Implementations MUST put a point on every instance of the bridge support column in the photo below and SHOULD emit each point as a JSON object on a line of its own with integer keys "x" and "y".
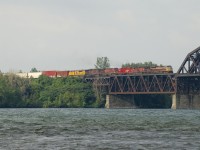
{"x": 184, "y": 101}
{"x": 174, "y": 101}
{"x": 120, "y": 101}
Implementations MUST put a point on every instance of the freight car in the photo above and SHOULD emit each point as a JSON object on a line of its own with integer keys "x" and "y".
{"x": 77, "y": 73}
{"x": 22, "y": 75}
{"x": 52, "y": 74}
{"x": 34, "y": 75}
{"x": 62, "y": 73}
{"x": 131, "y": 70}
{"x": 94, "y": 72}
{"x": 162, "y": 69}
{"x": 111, "y": 71}
{"x": 29, "y": 74}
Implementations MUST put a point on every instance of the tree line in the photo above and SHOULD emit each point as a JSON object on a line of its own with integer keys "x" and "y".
{"x": 104, "y": 62}
{"x": 148, "y": 64}
{"x": 45, "y": 92}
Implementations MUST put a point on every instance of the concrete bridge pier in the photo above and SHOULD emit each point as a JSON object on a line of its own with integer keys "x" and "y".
{"x": 185, "y": 101}
{"x": 120, "y": 101}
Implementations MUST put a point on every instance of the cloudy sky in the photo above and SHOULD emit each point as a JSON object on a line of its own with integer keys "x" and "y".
{"x": 71, "y": 34}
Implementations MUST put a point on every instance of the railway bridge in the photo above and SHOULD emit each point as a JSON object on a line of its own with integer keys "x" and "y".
{"x": 183, "y": 86}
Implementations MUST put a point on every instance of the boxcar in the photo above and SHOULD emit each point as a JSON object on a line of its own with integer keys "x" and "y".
{"x": 140, "y": 70}
{"x": 110, "y": 71}
{"x": 125, "y": 70}
{"x": 77, "y": 73}
{"x": 22, "y": 75}
{"x": 131, "y": 70}
{"x": 34, "y": 74}
{"x": 94, "y": 72}
{"x": 62, "y": 73}
{"x": 51, "y": 74}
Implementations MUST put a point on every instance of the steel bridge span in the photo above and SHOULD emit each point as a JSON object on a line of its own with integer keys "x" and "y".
{"x": 137, "y": 83}
{"x": 184, "y": 86}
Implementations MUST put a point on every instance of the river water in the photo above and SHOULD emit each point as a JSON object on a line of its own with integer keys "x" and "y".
{"x": 99, "y": 129}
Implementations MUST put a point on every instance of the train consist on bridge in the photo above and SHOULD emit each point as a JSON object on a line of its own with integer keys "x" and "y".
{"x": 99, "y": 72}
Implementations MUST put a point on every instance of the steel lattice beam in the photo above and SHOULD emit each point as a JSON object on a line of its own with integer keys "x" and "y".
{"x": 99, "y": 81}
{"x": 191, "y": 64}
{"x": 137, "y": 84}
{"x": 188, "y": 84}
{"x": 188, "y": 75}
{"x": 143, "y": 84}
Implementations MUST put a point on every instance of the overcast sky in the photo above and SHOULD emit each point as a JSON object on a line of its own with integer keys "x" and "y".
{"x": 71, "y": 34}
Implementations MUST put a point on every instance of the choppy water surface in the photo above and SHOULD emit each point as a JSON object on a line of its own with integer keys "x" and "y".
{"x": 99, "y": 129}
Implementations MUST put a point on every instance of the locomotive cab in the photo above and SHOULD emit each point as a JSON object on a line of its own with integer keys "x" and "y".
{"x": 169, "y": 69}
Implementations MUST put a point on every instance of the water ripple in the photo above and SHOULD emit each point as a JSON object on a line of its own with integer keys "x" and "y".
{"x": 99, "y": 129}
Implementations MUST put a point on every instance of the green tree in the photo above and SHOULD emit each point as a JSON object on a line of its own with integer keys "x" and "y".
{"x": 10, "y": 91}
{"x": 138, "y": 65}
{"x": 45, "y": 92}
{"x": 34, "y": 70}
{"x": 102, "y": 63}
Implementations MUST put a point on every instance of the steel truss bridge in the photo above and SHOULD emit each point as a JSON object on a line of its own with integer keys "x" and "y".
{"x": 185, "y": 81}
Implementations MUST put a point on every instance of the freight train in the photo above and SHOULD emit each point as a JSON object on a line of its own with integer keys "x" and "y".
{"x": 99, "y": 72}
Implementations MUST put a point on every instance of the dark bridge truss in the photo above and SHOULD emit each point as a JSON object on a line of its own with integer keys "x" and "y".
{"x": 137, "y": 84}
{"x": 191, "y": 64}
{"x": 143, "y": 84}
{"x": 188, "y": 84}
{"x": 99, "y": 81}
{"x": 188, "y": 75}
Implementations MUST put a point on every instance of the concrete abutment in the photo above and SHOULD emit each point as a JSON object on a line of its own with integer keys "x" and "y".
{"x": 120, "y": 101}
{"x": 179, "y": 101}
{"x": 185, "y": 101}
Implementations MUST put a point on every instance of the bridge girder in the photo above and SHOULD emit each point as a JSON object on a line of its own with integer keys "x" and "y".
{"x": 188, "y": 75}
{"x": 188, "y": 85}
{"x": 191, "y": 64}
{"x": 143, "y": 84}
{"x": 137, "y": 84}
